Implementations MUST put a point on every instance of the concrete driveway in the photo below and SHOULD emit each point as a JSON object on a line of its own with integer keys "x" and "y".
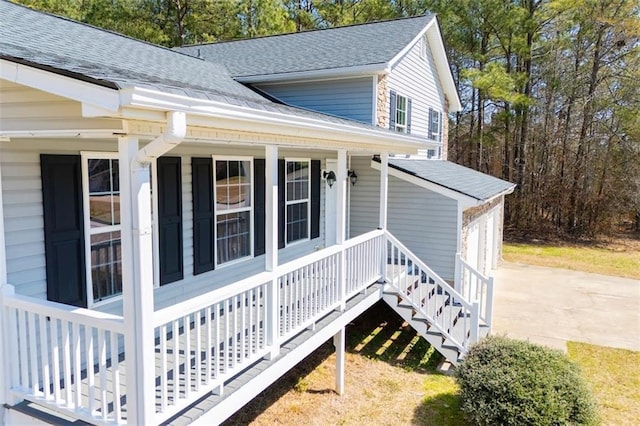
{"x": 552, "y": 306}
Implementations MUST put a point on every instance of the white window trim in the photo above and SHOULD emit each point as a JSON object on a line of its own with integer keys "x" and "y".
{"x": 85, "y": 157}
{"x": 437, "y": 133}
{"x": 288, "y": 203}
{"x": 238, "y": 210}
{"x": 401, "y": 128}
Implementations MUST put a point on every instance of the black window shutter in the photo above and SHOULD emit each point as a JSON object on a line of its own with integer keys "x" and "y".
{"x": 170, "y": 218}
{"x": 315, "y": 198}
{"x": 392, "y": 110}
{"x": 441, "y": 124}
{"x": 203, "y": 215}
{"x": 258, "y": 209}
{"x": 63, "y": 229}
{"x": 408, "y": 115}
{"x": 281, "y": 203}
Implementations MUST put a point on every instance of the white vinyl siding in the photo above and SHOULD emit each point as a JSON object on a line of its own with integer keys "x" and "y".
{"x": 417, "y": 79}
{"x": 348, "y": 98}
{"x": 426, "y": 222}
{"x": 24, "y": 223}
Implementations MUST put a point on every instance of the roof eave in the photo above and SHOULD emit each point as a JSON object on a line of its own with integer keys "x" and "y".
{"x": 361, "y": 70}
{"x": 241, "y": 118}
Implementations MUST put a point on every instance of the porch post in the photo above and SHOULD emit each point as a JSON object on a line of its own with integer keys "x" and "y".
{"x": 271, "y": 246}
{"x": 339, "y": 343}
{"x": 384, "y": 189}
{"x": 4, "y": 377}
{"x": 137, "y": 282}
{"x": 341, "y": 225}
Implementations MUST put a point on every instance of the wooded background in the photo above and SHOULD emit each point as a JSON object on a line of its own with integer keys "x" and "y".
{"x": 550, "y": 88}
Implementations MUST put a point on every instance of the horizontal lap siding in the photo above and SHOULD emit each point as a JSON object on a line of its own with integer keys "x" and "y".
{"x": 422, "y": 220}
{"x": 24, "y": 224}
{"x": 348, "y": 98}
{"x": 417, "y": 79}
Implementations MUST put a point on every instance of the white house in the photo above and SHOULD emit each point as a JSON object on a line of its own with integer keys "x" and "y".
{"x": 172, "y": 241}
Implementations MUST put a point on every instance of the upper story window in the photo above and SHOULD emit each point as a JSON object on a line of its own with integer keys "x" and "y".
{"x": 435, "y": 125}
{"x": 233, "y": 208}
{"x": 102, "y": 225}
{"x": 298, "y": 205}
{"x": 400, "y": 113}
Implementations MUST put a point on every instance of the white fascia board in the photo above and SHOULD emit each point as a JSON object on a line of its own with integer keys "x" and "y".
{"x": 442, "y": 65}
{"x": 239, "y": 118}
{"x": 464, "y": 201}
{"x": 499, "y": 194}
{"x": 291, "y": 77}
{"x": 408, "y": 47}
{"x": 67, "y": 87}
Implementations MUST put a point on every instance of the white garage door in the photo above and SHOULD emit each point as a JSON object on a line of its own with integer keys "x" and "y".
{"x": 473, "y": 243}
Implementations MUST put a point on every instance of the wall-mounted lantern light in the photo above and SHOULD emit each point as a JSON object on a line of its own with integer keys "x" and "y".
{"x": 330, "y": 177}
{"x": 353, "y": 177}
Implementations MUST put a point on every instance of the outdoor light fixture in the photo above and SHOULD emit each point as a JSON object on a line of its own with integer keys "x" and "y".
{"x": 330, "y": 177}
{"x": 353, "y": 177}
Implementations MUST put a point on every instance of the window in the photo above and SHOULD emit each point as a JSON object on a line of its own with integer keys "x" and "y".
{"x": 102, "y": 225}
{"x": 233, "y": 208}
{"x": 401, "y": 114}
{"x": 297, "y": 199}
{"x": 435, "y": 123}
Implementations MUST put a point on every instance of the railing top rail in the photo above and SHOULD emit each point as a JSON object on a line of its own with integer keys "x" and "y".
{"x": 102, "y": 320}
{"x": 472, "y": 269}
{"x": 165, "y": 315}
{"x": 194, "y": 304}
{"x": 459, "y": 298}
{"x": 324, "y": 253}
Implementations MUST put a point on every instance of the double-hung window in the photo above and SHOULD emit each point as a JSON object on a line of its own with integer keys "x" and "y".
{"x": 233, "y": 208}
{"x": 401, "y": 114}
{"x": 298, "y": 199}
{"x": 101, "y": 203}
{"x": 435, "y": 125}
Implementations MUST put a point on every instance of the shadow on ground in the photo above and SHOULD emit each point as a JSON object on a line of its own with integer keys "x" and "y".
{"x": 380, "y": 334}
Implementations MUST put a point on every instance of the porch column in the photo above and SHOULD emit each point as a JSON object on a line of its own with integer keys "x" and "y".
{"x": 384, "y": 188}
{"x": 339, "y": 340}
{"x": 137, "y": 282}
{"x": 4, "y": 373}
{"x": 271, "y": 246}
{"x": 341, "y": 219}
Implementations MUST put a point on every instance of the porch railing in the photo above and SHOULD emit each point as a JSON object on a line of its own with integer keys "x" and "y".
{"x": 476, "y": 287}
{"x": 432, "y": 297}
{"x": 72, "y": 359}
{"x": 67, "y": 357}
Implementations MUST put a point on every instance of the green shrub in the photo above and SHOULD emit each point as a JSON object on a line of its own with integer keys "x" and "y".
{"x": 513, "y": 382}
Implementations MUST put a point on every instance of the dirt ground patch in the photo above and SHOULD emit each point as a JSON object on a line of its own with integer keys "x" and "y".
{"x": 390, "y": 380}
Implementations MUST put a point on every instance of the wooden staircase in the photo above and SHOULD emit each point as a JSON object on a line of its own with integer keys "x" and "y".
{"x": 450, "y": 319}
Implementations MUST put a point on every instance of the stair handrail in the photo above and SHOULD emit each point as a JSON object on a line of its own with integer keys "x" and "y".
{"x": 472, "y": 308}
{"x": 486, "y": 306}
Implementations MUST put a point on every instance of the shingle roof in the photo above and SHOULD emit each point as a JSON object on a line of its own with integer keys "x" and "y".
{"x": 350, "y": 46}
{"x": 102, "y": 57}
{"x": 454, "y": 177}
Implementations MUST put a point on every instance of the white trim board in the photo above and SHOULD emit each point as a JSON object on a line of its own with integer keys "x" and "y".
{"x": 464, "y": 200}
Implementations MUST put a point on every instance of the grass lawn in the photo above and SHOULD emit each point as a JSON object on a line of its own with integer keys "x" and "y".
{"x": 619, "y": 257}
{"x": 391, "y": 380}
{"x": 614, "y": 376}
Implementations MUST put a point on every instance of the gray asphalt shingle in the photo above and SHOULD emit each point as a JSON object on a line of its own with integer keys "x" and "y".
{"x": 351, "y": 46}
{"x": 113, "y": 60}
{"x": 453, "y": 176}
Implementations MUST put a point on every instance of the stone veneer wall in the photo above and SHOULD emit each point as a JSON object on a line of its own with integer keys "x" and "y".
{"x": 445, "y": 129}
{"x": 382, "y": 117}
{"x": 473, "y": 213}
